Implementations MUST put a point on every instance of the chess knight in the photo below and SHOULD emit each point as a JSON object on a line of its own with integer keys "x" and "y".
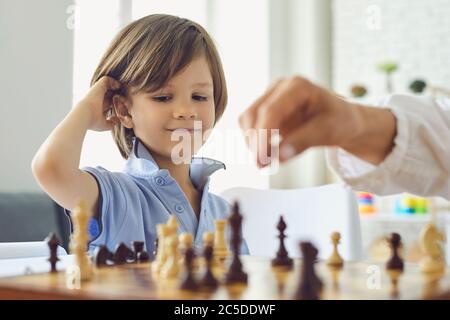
{"x": 431, "y": 244}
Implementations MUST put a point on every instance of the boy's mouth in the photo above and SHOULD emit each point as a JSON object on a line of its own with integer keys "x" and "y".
{"x": 190, "y": 130}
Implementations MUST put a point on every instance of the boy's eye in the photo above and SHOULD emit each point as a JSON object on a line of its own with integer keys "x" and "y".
{"x": 199, "y": 98}
{"x": 162, "y": 98}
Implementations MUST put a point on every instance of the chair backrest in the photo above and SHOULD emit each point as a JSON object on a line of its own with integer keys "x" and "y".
{"x": 311, "y": 214}
{"x": 16, "y": 250}
{"x": 31, "y": 216}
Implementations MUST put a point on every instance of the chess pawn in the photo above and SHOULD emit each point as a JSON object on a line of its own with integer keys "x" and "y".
{"x": 220, "y": 246}
{"x": 430, "y": 241}
{"x": 171, "y": 268}
{"x": 335, "y": 259}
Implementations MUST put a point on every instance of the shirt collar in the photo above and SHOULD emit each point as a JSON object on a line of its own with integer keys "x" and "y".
{"x": 141, "y": 164}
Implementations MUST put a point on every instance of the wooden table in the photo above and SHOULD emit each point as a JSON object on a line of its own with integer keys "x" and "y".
{"x": 356, "y": 280}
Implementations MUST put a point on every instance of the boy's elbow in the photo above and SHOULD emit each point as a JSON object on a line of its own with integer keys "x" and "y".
{"x": 43, "y": 169}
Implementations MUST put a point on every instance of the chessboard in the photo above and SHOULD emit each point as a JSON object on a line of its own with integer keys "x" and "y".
{"x": 176, "y": 271}
{"x": 354, "y": 280}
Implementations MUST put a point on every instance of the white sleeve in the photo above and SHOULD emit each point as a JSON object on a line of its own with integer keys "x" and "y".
{"x": 419, "y": 163}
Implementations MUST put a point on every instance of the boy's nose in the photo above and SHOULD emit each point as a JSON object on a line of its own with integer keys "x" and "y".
{"x": 185, "y": 112}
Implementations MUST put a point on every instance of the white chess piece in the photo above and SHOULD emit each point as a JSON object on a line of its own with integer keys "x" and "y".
{"x": 431, "y": 244}
{"x": 79, "y": 240}
{"x": 220, "y": 245}
{"x": 161, "y": 255}
{"x": 335, "y": 259}
{"x": 171, "y": 268}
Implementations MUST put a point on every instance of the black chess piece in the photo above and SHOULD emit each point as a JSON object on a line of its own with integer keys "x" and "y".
{"x": 310, "y": 285}
{"x": 138, "y": 246}
{"x": 143, "y": 256}
{"x": 53, "y": 243}
{"x": 208, "y": 280}
{"x": 102, "y": 255}
{"x": 282, "y": 258}
{"x": 235, "y": 272}
{"x": 188, "y": 282}
{"x": 123, "y": 254}
{"x": 395, "y": 262}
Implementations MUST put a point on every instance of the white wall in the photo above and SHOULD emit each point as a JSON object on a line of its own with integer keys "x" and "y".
{"x": 35, "y": 82}
{"x": 414, "y": 33}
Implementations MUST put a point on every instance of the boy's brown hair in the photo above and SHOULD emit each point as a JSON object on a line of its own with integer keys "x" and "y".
{"x": 148, "y": 52}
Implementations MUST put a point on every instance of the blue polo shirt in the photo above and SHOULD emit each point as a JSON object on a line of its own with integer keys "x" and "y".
{"x": 134, "y": 201}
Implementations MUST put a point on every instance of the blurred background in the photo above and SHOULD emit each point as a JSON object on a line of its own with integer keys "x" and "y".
{"x": 361, "y": 49}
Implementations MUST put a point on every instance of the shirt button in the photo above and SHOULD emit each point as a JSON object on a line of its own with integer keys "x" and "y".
{"x": 159, "y": 181}
{"x": 179, "y": 208}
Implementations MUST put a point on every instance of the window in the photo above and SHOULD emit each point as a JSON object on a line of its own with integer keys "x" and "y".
{"x": 243, "y": 46}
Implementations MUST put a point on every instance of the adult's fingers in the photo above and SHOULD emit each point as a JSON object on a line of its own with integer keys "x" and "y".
{"x": 285, "y": 102}
{"x": 310, "y": 134}
{"x": 248, "y": 118}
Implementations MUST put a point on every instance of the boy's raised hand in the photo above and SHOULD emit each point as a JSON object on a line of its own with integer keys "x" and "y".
{"x": 99, "y": 101}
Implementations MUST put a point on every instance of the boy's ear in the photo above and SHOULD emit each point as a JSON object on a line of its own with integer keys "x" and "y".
{"x": 121, "y": 106}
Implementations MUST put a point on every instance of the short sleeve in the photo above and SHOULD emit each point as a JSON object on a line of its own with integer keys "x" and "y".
{"x": 112, "y": 206}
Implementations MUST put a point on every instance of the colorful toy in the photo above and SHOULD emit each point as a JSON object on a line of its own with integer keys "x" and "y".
{"x": 407, "y": 204}
{"x": 365, "y": 203}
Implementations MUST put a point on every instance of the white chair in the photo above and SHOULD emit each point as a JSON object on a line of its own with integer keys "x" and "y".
{"x": 16, "y": 250}
{"x": 311, "y": 214}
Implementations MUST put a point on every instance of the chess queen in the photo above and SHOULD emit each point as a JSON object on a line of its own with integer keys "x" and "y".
{"x": 160, "y": 76}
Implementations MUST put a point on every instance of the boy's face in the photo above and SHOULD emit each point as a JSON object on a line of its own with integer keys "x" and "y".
{"x": 171, "y": 112}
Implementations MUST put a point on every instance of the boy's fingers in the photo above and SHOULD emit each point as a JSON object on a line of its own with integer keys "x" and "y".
{"x": 109, "y": 83}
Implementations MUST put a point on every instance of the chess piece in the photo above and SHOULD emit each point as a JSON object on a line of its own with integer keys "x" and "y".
{"x": 310, "y": 284}
{"x": 161, "y": 255}
{"x": 282, "y": 258}
{"x": 394, "y": 265}
{"x": 220, "y": 245}
{"x": 188, "y": 282}
{"x": 185, "y": 241}
{"x": 102, "y": 255}
{"x": 208, "y": 281}
{"x": 138, "y": 246}
{"x": 235, "y": 273}
{"x": 53, "y": 242}
{"x": 79, "y": 241}
{"x": 143, "y": 256}
{"x": 172, "y": 225}
{"x": 395, "y": 262}
{"x": 335, "y": 259}
{"x": 123, "y": 254}
{"x": 431, "y": 239}
{"x": 170, "y": 269}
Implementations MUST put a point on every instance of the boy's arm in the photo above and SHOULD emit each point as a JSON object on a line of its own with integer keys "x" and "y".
{"x": 56, "y": 164}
